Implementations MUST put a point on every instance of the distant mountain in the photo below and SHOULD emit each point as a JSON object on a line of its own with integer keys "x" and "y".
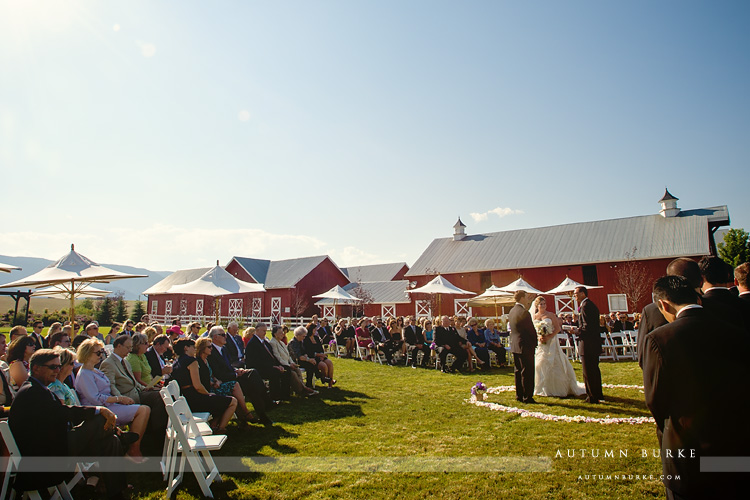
{"x": 131, "y": 288}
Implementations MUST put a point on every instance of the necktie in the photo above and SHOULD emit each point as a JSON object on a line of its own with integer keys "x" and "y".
{"x": 125, "y": 369}
{"x": 225, "y": 356}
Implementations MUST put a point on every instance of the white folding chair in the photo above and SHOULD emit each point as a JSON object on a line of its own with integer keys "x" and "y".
{"x": 621, "y": 344}
{"x": 565, "y": 345}
{"x": 191, "y": 446}
{"x": 633, "y": 337}
{"x": 170, "y": 438}
{"x": 361, "y": 352}
{"x": 608, "y": 350}
{"x": 173, "y": 389}
{"x": 14, "y": 461}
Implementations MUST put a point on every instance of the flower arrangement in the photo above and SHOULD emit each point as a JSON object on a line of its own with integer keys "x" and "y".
{"x": 542, "y": 329}
{"x": 477, "y": 392}
{"x": 433, "y": 346}
{"x": 479, "y": 398}
{"x": 332, "y": 342}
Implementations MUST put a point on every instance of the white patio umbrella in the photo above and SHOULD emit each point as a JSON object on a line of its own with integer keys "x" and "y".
{"x": 438, "y": 286}
{"x": 84, "y": 290}
{"x": 6, "y": 268}
{"x": 69, "y": 273}
{"x": 336, "y": 294}
{"x": 215, "y": 283}
{"x": 567, "y": 285}
{"x": 493, "y": 296}
{"x": 520, "y": 284}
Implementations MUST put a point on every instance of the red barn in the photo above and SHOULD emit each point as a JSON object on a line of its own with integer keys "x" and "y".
{"x": 588, "y": 252}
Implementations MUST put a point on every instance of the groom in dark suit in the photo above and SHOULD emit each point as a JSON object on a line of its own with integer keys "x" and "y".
{"x": 698, "y": 404}
{"x": 523, "y": 342}
{"x": 589, "y": 344}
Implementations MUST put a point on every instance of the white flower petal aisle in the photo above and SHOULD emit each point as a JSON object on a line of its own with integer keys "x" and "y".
{"x": 479, "y": 394}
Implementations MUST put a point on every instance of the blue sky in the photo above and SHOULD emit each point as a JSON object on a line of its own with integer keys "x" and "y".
{"x": 171, "y": 134}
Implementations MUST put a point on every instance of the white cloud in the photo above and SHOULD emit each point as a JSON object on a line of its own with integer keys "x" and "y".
{"x": 244, "y": 115}
{"x": 147, "y": 49}
{"x": 353, "y": 256}
{"x": 116, "y": 28}
{"x": 164, "y": 247}
{"x": 499, "y": 211}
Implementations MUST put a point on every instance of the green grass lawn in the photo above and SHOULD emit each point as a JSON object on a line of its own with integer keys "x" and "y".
{"x": 401, "y": 420}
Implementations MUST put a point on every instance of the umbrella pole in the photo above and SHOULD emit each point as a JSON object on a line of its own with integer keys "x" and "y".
{"x": 72, "y": 304}
{"x": 216, "y": 309}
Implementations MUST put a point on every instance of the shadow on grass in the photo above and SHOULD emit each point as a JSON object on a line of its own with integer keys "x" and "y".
{"x": 329, "y": 404}
{"x": 630, "y": 407}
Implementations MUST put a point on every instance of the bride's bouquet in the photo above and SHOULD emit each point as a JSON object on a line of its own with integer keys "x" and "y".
{"x": 542, "y": 330}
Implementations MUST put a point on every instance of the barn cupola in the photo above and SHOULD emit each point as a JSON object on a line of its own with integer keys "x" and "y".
{"x": 458, "y": 230}
{"x": 668, "y": 205}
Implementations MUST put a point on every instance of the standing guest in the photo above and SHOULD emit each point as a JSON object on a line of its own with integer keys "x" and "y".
{"x": 42, "y": 426}
{"x": 695, "y": 404}
{"x": 154, "y": 356}
{"x": 193, "y": 385}
{"x": 523, "y": 342}
{"x": 203, "y": 349}
{"x": 18, "y": 331}
{"x": 651, "y": 317}
{"x": 249, "y": 380}
{"x": 414, "y": 339}
{"x": 58, "y": 387}
{"x": 19, "y": 354}
{"x": 36, "y": 334}
{"x": 494, "y": 343}
{"x": 260, "y": 356}
{"x": 138, "y": 361}
{"x": 281, "y": 353}
{"x": 589, "y": 344}
{"x": 717, "y": 299}
{"x": 193, "y": 330}
{"x": 94, "y": 388}
{"x": 114, "y": 332}
{"x": 314, "y": 350}
{"x": 297, "y": 352}
{"x": 742, "y": 282}
{"x": 447, "y": 338}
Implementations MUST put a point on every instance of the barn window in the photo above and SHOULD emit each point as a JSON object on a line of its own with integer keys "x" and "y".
{"x": 589, "y": 276}
{"x": 485, "y": 280}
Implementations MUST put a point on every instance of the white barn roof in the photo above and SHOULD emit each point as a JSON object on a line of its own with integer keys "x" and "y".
{"x": 176, "y": 278}
{"x": 611, "y": 240}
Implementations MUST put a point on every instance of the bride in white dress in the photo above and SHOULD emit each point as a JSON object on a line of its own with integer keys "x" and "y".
{"x": 554, "y": 375}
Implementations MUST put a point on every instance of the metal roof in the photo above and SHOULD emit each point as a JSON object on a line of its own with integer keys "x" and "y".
{"x": 281, "y": 273}
{"x": 176, "y": 278}
{"x": 611, "y": 240}
{"x": 382, "y": 292}
{"x": 376, "y": 272}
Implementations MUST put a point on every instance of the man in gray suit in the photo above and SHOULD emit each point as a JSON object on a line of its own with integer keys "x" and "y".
{"x": 523, "y": 342}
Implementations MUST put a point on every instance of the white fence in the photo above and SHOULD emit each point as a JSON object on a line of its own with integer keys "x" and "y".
{"x": 244, "y": 322}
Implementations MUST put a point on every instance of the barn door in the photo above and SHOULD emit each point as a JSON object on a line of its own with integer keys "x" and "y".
{"x": 423, "y": 309}
{"x": 257, "y": 309}
{"x": 168, "y": 310}
{"x": 235, "y": 308}
{"x": 199, "y": 308}
{"x": 275, "y": 310}
{"x": 461, "y": 308}
{"x": 565, "y": 304}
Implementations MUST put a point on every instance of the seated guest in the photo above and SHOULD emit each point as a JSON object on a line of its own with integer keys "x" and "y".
{"x": 314, "y": 350}
{"x": 446, "y": 337}
{"x": 478, "y": 341}
{"x": 137, "y": 359}
{"x": 18, "y": 331}
{"x": 344, "y": 337}
{"x": 94, "y": 388}
{"x": 42, "y": 426}
{"x": 362, "y": 336}
{"x": 281, "y": 353}
{"x": 473, "y": 359}
{"x": 297, "y": 352}
{"x": 58, "y": 387}
{"x": 151, "y": 334}
{"x": 249, "y": 380}
{"x": 416, "y": 343}
{"x": 493, "y": 342}
{"x": 621, "y": 323}
{"x": 120, "y": 375}
{"x": 203, "y": 349}
{"x": 235, "y": 345}
{"x": 19, "y": 354}
{"x": 381, "y": 338}
{"x": 114, "y": 332}
{"x": 6, "y": 393}
{"x": 91, "y": 331}
{"x": 127, "y": 328}
{"x": 193, "y": 385}
{"x": 60, "y": 338}
{"x": 139, "y": 327}
{"x": 154, "y": 356}
{"x": 260, "y": 356}
{"x": 247, "y": 334}
{"x": 54, "y": 328}
{"x": 325, "y": 332}
{"x": 193, "y": 330}
{"x": 395, "y": 329}
{"x": 429, "y": 332}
